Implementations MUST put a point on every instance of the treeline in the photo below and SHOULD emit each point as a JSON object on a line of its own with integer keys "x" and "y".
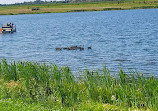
{"x": 77, "y": 1}
{"x": 36, "y": 2}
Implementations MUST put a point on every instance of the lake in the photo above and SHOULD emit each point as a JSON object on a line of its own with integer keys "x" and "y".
{"x": 126, "y": 39}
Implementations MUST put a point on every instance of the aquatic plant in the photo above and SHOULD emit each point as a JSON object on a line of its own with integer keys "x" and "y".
{"x": 56, "y": 87}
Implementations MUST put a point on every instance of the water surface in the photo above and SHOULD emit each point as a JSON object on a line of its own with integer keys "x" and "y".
{"x": 125, "y": 39}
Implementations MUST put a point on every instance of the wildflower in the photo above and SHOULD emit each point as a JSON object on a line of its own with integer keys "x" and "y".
{"x": 113, "y": 98}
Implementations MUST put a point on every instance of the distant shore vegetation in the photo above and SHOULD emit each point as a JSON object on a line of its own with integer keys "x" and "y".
{"x": 75, "y": 6}
{"x": 41, "y": 87}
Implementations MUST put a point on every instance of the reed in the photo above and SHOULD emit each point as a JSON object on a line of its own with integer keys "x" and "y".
{"x": 56, "y": 87}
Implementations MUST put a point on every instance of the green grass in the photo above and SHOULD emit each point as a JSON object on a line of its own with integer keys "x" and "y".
{"x": 35, "y": 86}
{"x": 77, "y": 7}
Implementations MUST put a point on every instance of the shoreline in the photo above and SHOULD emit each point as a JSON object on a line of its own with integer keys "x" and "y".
{"x": 78, "y": 10}
{"x": 75, "y": 7}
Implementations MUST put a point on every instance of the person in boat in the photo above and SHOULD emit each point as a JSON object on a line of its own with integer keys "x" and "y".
{"x": 11, "y": 24}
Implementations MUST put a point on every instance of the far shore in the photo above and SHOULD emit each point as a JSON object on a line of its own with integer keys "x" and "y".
{"x": 76, "y": 7}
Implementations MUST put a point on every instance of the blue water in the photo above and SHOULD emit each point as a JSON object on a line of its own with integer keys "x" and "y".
{"x": 125, "y": 39}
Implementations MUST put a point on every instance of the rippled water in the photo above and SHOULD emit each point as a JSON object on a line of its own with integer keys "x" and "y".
{"x": 125, "y": 39}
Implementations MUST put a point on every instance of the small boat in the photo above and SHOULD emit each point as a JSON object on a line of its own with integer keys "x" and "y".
{"x": 8, "y": 28}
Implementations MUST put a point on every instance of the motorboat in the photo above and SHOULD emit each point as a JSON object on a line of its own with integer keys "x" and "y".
{"x": 8, "y": 28}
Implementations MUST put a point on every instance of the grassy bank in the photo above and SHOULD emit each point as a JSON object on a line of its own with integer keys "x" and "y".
{"x": 34, "y": 86}
{"x": 78, "y": 7}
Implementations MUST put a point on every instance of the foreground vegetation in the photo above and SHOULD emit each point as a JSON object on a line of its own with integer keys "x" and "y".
{"x": 78, "y": 7}
{"x": 32, "y": 86}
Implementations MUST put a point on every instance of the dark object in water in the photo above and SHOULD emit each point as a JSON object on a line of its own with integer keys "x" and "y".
{"x": 71, "y": 48}
{"x": 81, "y": 48}
{"x": 89, "y": 47}
{"x": 58, "y": 48}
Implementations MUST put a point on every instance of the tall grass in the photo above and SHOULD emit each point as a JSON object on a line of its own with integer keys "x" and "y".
{"x": 54, "y": 86}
